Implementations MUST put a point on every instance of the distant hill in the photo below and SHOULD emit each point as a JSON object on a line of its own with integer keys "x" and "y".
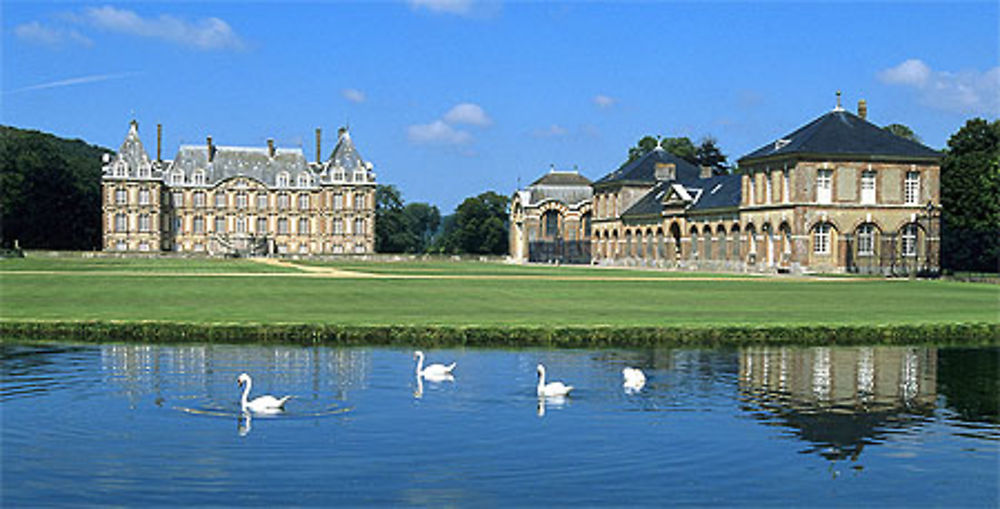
{"x": 50, "y": 191}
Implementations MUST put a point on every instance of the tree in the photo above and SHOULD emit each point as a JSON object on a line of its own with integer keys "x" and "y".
{"x": 478, "y": 226}
{"x": 902, "y": 131}
{"x": 392, "y": 231}
{"x": 681, "y": 147}
{"x": 709, "y": 154}
{"x": 970, "y": 198}
{"x": 645, "y": 145}
{"x": 424, "y": 220}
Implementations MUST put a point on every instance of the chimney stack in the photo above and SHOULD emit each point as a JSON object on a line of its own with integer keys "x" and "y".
{"x": 665, "y": 171}
{"x": 159, "y": 141}
{"x": 270, "y": 147}
{"x": 211, "y": 149}
{"x": 863, "y": 109}
{"x": 318, "y": 156}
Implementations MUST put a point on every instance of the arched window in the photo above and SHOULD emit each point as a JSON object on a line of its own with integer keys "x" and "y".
{"x": 550, "y": 223}
{"x": 866, "y": 239}
{"x": 909, "y": 235}
{"x": 585, "y": 226}
{"x": 694, "y": 242}
{"x": 722, "y": 253}
{"x": 821, "y": 238}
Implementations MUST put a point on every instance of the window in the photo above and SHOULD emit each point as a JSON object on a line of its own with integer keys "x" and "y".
{"x": 143, "y": 173}
{"x": 144, "y": 222}
{"x": 261, "y": 225}
{"x": 220, "y": 224}
{"x": 262, "y": 201}
{"x": 178, "y": 225}
{"x": 551, "y": 223}
{"x": 305, "y": 180}
{"x": 750, "y": 189}
{"x": 220, "y": 200}
{"x": 283, "y": 201}
{"x": 360, "y": 248}
{"x": 199, "y": 224}
{"x": 303, "y": 226}
{"x": 144, "y": 197}
{"x": 199, "y": 199}
{"x": 767, "y": 187}
{"x": 282, "y": 179}
{"x": 120, "y": 169}
{"x": 282, "y": 225}
{"x": 910, "y": 240}
{"x": 121, "y": 196}
{"x": 911, "y": 191}
{"x": 121, "y": 223}
{"x": 824, "y": 185}
{"x": 866, "y": 240}
{"x": 821, "y": 239}
{"x": 121, "y": 245}
{"x": 359, "y": 226}
{"x": 241, "y": 200}
{"x": 177, "y": 177}
{"x": 199, "y": 247}
{"x": 177, "y": 198}
{"x": 694, "y": 243}
{"x": 303, "y": 202}
{"x": 198, "y": 178}
{"x": 359, "y": 201}
{"x": 338, "y": 201}
{"x": 868, "y": 186}
{"x": 241, "y": 225}
{"x": 143, "y": 246}
{"x": 338, "y": 226}
{"x": 785, "y": 190}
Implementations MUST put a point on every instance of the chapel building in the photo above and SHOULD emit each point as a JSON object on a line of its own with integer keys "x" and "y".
{"x": 227, "y": 200}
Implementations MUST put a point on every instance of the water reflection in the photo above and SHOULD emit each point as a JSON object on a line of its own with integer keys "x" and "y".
{"x": 433, "y": 378}
{"x": 839, "y": 399}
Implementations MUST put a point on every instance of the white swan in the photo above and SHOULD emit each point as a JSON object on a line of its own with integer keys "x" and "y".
{"x": 433, "y": 372}
{"x": 551, "y": 389}
{"x": 635, "y": 379}
{"x": 263, "y": 404}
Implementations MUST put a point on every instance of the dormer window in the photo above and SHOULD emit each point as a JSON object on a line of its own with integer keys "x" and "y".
{"x": 144, "y": 171}
{"x": 778, "y": 145}
{"x": 282, "y": 180}
{"x": 177, "y": 177}
{"x": 198, "y": 178}
{"x": 305, "y": 180}
{"x": 120, "y": 169}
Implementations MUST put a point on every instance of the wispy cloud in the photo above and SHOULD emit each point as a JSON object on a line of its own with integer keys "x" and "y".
{"x": 204, "y": 34}
{"x": 464, "y": 8}
{"x": 468, "y": 113}
{"x": 552, "y": 131}
{"x": 37, "y": 33}
{"x": 966, "y": 92}
{"x": 76, "y": 81}
{"x": 438, "y": 133}
{"x": 604, "y": 101}
{"x": 354, "y": 95}
{"x": 443, "y": 130}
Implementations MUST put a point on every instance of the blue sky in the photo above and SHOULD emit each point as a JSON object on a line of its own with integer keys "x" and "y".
{"x": 449, "y": 98}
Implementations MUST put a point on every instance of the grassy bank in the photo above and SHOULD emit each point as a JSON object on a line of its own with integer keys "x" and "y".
{"x": 175, "y": 299}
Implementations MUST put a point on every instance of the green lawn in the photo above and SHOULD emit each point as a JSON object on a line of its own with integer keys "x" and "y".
{"x": 76, "y": 262}
{"x": 476, "y": 268}
{"x": 74, "y": 295}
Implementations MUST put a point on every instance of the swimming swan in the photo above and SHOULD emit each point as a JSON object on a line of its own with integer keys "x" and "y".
{"x": 434, "y": 372}
{"x": 551, "y": 389}
{"x": 262, "y": 404}
{"x": 635, "y": 379}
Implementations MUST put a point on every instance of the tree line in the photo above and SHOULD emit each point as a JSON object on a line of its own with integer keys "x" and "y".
{"x": 50, "y": 198}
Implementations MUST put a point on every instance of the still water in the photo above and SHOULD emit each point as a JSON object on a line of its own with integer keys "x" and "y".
{"x": 161, "y": 425}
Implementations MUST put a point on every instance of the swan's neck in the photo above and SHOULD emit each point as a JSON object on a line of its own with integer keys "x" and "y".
{"x": 541, "y": 379}
{"x": 246, "y": 394}
{"x": 420, "y": 362}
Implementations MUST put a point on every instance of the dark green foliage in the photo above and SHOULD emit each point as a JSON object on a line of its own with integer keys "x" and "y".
{"x": 645, "y": 145}
{"x": 709, "y": 154}
{"x": 970, "y": 383}
{"x": 498, "y": 336}
{"x": 478, "y": 226}
{"x": 970, "y": 198}
{"x": 400, "y": 229}
{"x": 681, "y": 147}
{"x": 50, "y": 191}
{"x": 902, "y": 131}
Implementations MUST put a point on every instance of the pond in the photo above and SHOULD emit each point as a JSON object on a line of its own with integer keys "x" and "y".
{"x": 161, "y": 425}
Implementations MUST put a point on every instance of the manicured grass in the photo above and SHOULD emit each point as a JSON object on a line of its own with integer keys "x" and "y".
{"x": 477, "y": 268}
{"x": 79, "y": 263}
{"x": 493, "y": 302}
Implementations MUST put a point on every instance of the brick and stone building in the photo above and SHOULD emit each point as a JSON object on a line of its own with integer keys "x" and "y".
{"x": 226, "y": 200}
{"x": 839, "y": 194}
{"x": 550, "y": 220}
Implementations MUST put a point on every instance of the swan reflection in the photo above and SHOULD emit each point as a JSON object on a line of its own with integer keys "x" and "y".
{"x": 555, "y": 401}
{"x": 432, "y": 378}
{"x": 243, "y": 424}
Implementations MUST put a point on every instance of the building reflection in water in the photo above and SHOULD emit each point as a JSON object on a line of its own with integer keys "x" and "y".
{"x": 209, "y": 371}
{"x": 839, "y": 399}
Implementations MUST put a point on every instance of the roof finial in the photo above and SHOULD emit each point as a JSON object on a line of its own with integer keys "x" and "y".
{"x": 838, "y": 108}
{"x": 552, "y": 167}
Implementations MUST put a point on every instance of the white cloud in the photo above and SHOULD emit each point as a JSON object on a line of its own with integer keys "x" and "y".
{"x": 467, "y": 113}
{"x": 446, "y": 6}
{"x": 76, "y": 81}
{"x": 37, "y": 33}
{"x": 205, "y": 33}
{"x": 354, "y": 95}
{"x": 552, "y": 131}
{"x": 604, "y": 101}
{"x": 970, "y": 91}
{"x": 437, "y": 133}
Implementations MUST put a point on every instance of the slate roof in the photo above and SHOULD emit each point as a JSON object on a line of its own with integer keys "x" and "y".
{"x": 840, "y": 132}
{"x": 650, "y": 203}
{"x": 567, "y": 187}
{"x": 345, "y": 154}
{"x": 132, "y": 153}
{"x": 562, "y": 178}
{"x": 718, "y": 192}
{"x": 643, "y": 169}
{"x": 229, "y": 162}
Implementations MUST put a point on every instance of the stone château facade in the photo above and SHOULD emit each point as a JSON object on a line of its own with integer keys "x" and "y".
{"x": 225, "y": 200}
{"x": 550, "y": 219}
{"x": 839, "y": 194}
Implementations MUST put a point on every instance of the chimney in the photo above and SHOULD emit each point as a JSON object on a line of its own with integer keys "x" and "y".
{"x": 270, "y": 147}
{"x": 706, "y": 172}
{"x": 318, "y": 156}
{"x": 665, "y": 171}
{"x": 211, "y": 149}
{"x": 159, "y": 140}
{"x": 863, "y": 109}
{"x": 340, "y": 133}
